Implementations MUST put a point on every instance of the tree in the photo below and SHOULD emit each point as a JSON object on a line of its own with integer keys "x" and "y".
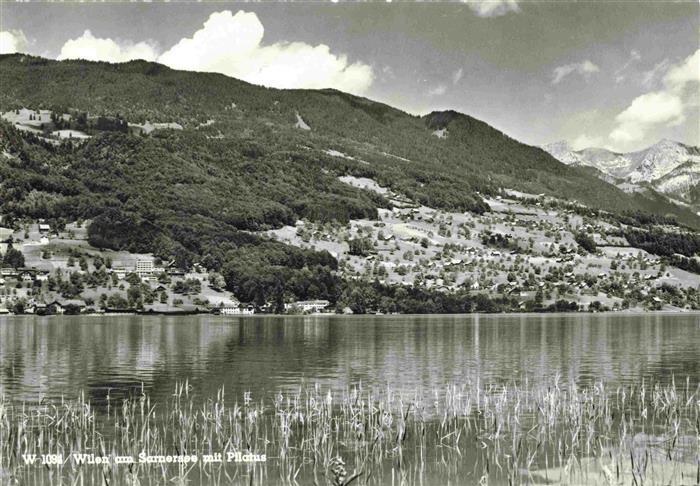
{"x": 133, "y": 279}
{"x": 360, "y": 246}
{"x": 278, "y": 295}
{"x": 98, "y": 262}
{"x": 19, "y": 307}
{"x": 135, "y": 296}
{"x": 116, "y": 301}
{"x": 216, "y": 280}
{"x": 13, "y": 258}
{"x": 586, "y": 242}
{"x": 71, "y": 309}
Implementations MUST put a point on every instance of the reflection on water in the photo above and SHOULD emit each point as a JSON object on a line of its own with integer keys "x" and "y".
{"x": 51, "y": 357}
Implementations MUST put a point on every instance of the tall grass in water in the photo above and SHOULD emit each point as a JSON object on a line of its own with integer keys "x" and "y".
{"x": 634, "y": 435}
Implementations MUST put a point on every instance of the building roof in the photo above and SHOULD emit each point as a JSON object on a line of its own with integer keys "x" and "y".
{"x": 66, "y": 302}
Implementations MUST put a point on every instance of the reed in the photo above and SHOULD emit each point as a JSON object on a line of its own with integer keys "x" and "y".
{"x": 470, "y": 434}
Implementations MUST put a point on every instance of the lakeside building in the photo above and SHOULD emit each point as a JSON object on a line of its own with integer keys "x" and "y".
{"x": 72, "y": 306}
{"x": 236, "y": 310}
{"x": 307, "y": 305}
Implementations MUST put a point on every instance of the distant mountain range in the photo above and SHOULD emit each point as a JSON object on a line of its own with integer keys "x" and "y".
{"x": 669, "y": 167}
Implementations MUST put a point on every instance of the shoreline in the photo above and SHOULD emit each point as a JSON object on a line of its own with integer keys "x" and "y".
{"x": 330, "y": 314}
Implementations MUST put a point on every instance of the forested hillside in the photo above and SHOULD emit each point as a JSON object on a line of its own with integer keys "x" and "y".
{"x": 440, "y": 172}
{"x": 248, "y": 158}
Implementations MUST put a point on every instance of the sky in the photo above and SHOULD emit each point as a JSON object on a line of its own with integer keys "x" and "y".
{"x": 618, "y": 75}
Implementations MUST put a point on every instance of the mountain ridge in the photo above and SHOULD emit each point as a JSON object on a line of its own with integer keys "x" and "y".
{"x": 482, "y": 158}
{"x": 666, "y": 160}
{"x": 473, "y": 158}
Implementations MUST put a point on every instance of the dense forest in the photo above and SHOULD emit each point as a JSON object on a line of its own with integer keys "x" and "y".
{"x": 241, "y": 164}
{"x": 664, "y": 243}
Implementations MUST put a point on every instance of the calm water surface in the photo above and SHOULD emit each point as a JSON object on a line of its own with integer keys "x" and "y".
{"x": 51, "y": 357}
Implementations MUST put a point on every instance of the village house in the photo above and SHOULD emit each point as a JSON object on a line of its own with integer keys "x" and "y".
{"x": 176, "y": 272}
{"x": 196, "y": 276}
{"x": 72, "y": 306}
{"x": 76, "y": 304}
{"x": 120, "y": 272}
{"x": 38, "y": 308}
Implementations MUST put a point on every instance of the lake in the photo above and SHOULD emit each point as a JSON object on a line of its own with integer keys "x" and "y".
{"x": 108, "y": 358}
{"x": 50, "y": 357}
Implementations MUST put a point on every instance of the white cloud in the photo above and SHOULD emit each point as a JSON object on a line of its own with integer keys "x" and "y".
{"x": 646, "y": 111}
{"x": 619, "y": 73}
{"x": 585, "y": 141}
{"x": 650, "y": 77}
{"x": 492, "y": 8}
{"x": 438, "y": 90}
{"x": 584, "y": 68}
{"x": 388, "y": 73}
{"x": 441, "y": 88}
{"x": 457, "y": 75}
{"x": 12, "y": 41}
{"x": 678, "y": 77}
{"x": 92, "y": 48}
{"x": 232, "y": 45}
{"x": 667, "y": 107}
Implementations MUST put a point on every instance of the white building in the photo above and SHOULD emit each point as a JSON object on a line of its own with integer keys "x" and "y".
{"x": 308, "y": 305}
{"x": 236, "y": 310}
{"x": 144, "y": 268}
